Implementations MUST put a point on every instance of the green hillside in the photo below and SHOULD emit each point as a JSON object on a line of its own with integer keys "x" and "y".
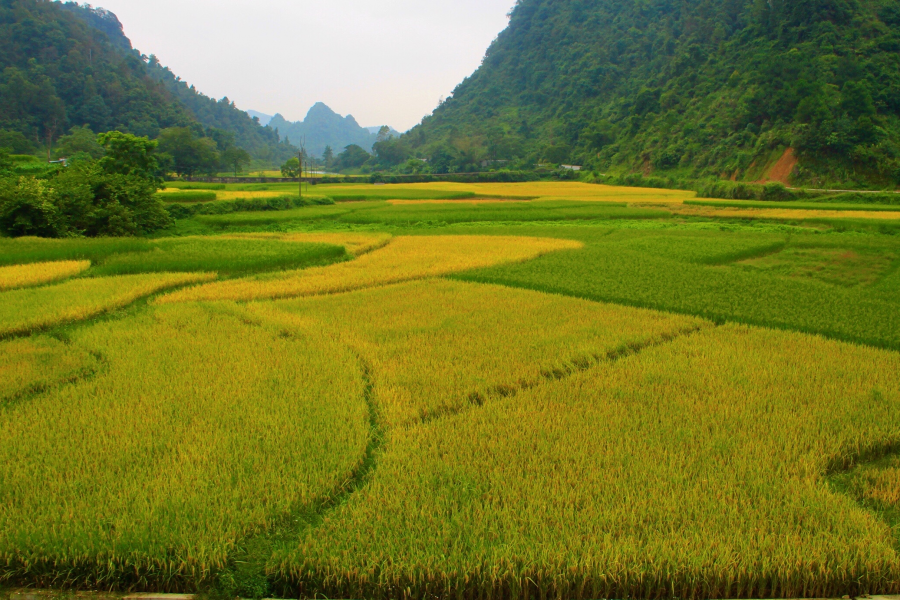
{"x": 692, "y": 88}
{"x": 67, "y": 65}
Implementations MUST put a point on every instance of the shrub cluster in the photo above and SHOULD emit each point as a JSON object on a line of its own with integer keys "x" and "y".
{"x": 287, "y": 202}
{"x": 113, "y": 196}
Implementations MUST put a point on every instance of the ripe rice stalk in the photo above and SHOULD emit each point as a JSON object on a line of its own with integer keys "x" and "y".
{"x": 29, "y": 310}
{"x": 693, "y": 469}
{"x": 201, "y": 430}
{"x": 20, "y": 276}
{"x": 405, "y": 258}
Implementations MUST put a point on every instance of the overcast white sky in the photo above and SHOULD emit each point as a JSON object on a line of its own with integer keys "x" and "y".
{"x": 386, "y": 62}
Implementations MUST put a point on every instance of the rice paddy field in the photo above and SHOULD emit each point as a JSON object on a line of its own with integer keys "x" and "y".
{"x": 513, "y": 391}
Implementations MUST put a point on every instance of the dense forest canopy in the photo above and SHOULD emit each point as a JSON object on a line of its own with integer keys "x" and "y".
{"x": 687, "y": 87}
{"x": 70, "y": 65}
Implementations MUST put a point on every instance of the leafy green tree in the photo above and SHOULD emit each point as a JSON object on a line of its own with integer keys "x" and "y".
{"x": 81, "y": 140}
{"x": 27, "y": 207}
{"x": 328, "y": 156}
{"x": 189, "y": 154}
{"x": 291, "y": 168}
{"x": 352, "y": 157}
{"x": 236, "y": 158}
{"x": 392, "y": 151}
{"x": 129, "y": 155}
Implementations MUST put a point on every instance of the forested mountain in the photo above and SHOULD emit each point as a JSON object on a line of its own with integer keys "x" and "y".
{"x": 323, "y": 127}
{"x": 66, "y": 65}
{"x": 686, "y": 87}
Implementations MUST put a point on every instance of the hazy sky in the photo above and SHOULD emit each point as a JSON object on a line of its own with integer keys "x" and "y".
{"x": 383, "y": 61}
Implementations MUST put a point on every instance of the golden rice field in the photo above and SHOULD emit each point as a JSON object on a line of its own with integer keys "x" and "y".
{"x": 201, "y": 430}
{"x": 695, "y": 469}
{"x": 542, "y": 190}
{"x": 379, "y": 428}
{"x": 20, "y": 276}
{"x": 435, "y": 347}
{"x": 28, "y": 310}
{"x": 405, "y": 258}
{"x": 355, "y": 243}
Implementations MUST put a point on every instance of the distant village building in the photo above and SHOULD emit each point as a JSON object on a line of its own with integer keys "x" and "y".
{"x": 570, "y": 167}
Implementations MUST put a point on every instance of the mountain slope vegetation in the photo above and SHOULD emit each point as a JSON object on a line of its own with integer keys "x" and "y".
{"x": 692, "y": 88}
{"x": 69, "y": 65}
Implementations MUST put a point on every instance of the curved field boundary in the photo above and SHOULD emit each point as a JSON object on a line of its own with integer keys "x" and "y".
{"x": 21, "y": 276}
{"x": 356, "y": 244}
{"x": 406, "y": 258}
{"x": 30, "y": 310}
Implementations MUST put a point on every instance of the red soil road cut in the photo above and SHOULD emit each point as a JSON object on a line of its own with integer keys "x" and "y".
{"x": 781, "y": 171}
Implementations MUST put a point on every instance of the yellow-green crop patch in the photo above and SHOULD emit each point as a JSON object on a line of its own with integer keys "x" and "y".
{"x": 200, "y": 431}
{"x": 405, "y": 258}
{"x": 439, "y": 346}
{"x": 29, "y": 310}
{"x": 20, "y": 276}
{"x": 34, "y": 364}
{"x": 694, "y": 469}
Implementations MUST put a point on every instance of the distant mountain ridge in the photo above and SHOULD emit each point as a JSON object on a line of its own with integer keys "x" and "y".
{"x": 323, "y": 127}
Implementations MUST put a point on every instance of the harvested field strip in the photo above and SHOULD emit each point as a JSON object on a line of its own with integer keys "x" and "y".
{"x": 29, "y": 310}
{"x": 20, "y": 276}
{"x": 405, "y": 258}
{"x": 35, "y": 364}
{"x": 356, "y": 244}
{"x": 436, "y": 347}
{"x": 693, "y": 469}
{"x": 200, "y": 431}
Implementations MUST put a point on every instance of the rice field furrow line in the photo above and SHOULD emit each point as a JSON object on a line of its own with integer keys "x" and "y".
{"x": 573, "y": 367}
{"x": 318, "y": 513}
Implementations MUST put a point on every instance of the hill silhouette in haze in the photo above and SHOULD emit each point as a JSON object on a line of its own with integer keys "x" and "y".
{"x": 323, "y": 127}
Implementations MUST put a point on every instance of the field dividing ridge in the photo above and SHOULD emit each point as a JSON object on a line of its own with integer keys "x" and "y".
{"x": 404, "y": 258}
{"x": 29, "y": 310}
{"x": 694, "y": 469}
{"x": 201, "y": 432}
{"x": 21, "y": 276}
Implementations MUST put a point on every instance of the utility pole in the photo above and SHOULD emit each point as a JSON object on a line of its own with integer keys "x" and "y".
{"x": 300, "y": 165}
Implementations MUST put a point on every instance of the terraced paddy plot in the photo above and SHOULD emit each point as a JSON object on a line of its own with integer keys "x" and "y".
{"x": 28, "y": 250}
{"x": 222, "y": 255}
{"x": 37, "y": 363}
{"x": 694, "y": 469}
{"x": 774, "y": 211}
{"x": 839, "y": 266}
{"x": 698, "y": 272}
{"x": 20, "y": 276}
{"x": 29, "y": 310}
{"x": 550, "y": 190}
{"x": 256, "y": 219}
{"x": 200, "y": 431}
{"x": 435, "y": 347}
{"x": 467, "y": 212}
{"x": 355, "y": 243}
{"x": 405, "y": 258}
